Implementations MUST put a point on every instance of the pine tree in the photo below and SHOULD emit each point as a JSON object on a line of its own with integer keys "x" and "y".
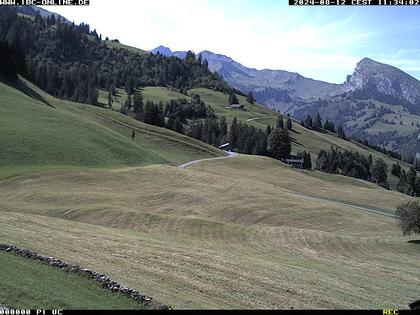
{"x": 268, "y": 130}
{"x": 341, "y": 133}
{"x": 318, "y": 121}
{"x": 233, "y": 134}
{"x": 280, "y": 122}
{"x": 308, "y": 122}
{"x": 396, "y": 170}
{"x": 289, "y": 125}
{"x": 233, "y": 99}
{"x": 251, "y": 98}
{"x": 138, "y": 104}
{"x": 110, "y": 100}
{"x": 170, "y": 124}
{"x": 279, "y": 144}
{"x": 379, "y": 172}
{"x": 307, "y": 160}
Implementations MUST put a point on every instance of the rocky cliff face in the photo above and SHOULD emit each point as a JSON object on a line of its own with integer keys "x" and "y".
{"x": 385, "y": 79}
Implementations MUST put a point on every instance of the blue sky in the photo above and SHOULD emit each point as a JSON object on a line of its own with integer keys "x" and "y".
{"x": 319, "y": 42}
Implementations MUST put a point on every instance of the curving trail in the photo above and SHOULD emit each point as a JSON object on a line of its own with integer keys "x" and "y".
{"x": 229, "y": 156}
{"x": 258, "y": 118}
{"x": 307, "y": 197}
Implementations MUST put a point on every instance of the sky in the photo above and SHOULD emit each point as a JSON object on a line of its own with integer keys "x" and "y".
{"x": 323, "y": 43}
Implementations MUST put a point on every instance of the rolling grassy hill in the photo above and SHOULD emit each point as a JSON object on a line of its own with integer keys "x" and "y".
{"x": 260, "y": 116}
{"x": 42, "y": 132}
{"x": 227, "y": 234}
{"x": 248, "y": 232}
{"x": 26, "y": 284}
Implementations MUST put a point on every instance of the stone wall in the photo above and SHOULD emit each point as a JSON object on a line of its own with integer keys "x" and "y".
{"x": 104, "y": 280}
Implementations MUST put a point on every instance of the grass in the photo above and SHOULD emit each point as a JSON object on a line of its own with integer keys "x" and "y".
{"x": 37, "y": 135}
{"x": 303, "y": 139}
{"x": 116, "y": 45}
{"x": 228, "y": 234}
{"x": 41, "y": 132}
{"x": 27, "y": 284}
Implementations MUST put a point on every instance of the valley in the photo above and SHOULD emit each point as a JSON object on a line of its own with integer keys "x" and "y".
{"x": 111, "y": 159}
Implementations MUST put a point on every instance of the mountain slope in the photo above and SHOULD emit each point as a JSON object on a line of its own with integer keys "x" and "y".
{"x": 37, "y": 135}
{"x": 273, "y": 88}
{"x": 270, "y": 87}
{"x": 386, "y": 80}
{"x": 378, "y": 102}
{"x": 48, "y": 133}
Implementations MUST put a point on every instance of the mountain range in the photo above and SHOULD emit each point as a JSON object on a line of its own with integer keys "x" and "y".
{"x": 378, "y": 102}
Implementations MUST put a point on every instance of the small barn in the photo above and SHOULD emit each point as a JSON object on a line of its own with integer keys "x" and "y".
{"x": 236, "y": 106}
{"x": 296, "y": 163}
{"x": 225, "y": 147}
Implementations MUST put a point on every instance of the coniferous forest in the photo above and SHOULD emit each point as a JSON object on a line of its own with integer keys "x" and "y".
{"x": 71, "y": 61}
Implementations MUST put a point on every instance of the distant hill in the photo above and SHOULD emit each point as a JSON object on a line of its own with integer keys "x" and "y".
{"x": 273, "y": 88}
{"x": 378, "y": 102}
{"x": 167, "y": 52}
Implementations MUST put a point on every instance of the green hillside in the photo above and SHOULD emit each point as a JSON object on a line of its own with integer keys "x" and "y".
{"x": 27, "y": 284}
{"x": 52, "y": 133}
{"x": 260, "y": 116}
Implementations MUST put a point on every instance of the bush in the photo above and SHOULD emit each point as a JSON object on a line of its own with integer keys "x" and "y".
{"x": 408, "y": 215}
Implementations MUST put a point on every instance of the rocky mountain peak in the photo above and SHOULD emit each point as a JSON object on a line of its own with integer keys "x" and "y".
{"x": 386, "y": 79}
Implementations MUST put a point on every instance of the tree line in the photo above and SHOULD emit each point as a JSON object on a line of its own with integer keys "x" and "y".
{"x": 71, "y": 61}
{"x": 353, "y": 164}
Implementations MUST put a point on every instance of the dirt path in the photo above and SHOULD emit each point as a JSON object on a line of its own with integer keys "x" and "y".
{"x": 257, "y": 118}
{"x": 229, "y": 156}
{"x": 343, "y": 204}
{"x": 350, "y": 206}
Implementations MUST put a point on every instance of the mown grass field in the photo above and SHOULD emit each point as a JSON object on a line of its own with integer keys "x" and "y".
{"x": 27, "y": 284}
{"x": 233, "y": 234}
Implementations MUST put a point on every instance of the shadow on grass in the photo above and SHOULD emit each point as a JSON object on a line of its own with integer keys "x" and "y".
{"x": 417, "y": 242}
{"x": 21, "y": 86}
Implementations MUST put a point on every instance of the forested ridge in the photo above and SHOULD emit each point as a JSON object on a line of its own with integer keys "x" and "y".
{"x": 72, "y": 61}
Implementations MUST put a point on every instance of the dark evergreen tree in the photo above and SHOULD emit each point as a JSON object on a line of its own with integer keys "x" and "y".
{"x": 138, "y": 104}
{"x": 329, "y": 126}
{"x": 110, "y": 100}
{"x": 233, "y": 99}
{"x": 289, "y": 125}
{"x": 318, "y": 121}
{"x": 379, "y": 172}
{"x": 341, "y": 133}
{"x": 396, "y": 170}
{"x": 233, "y": 134}
{"x": 279, "y": 144}
{"x": 250, "y": 97}
{"x": 268, "y": 130}
{"x": 280, "y": 122}
{"x": 308, "y": 122}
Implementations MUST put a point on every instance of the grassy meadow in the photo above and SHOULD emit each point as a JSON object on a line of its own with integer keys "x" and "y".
{"x": 236, "y": 233}
{"x": 27, "y": 284}
{"x": 208, "y": 238}
{"x": 40, "y": 132}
